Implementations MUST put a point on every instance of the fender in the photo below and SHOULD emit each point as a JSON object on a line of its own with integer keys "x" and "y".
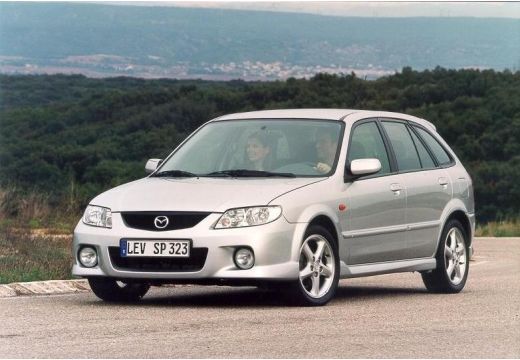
{"x": 321, "y": 202}
{"x": 455, "y": 204}
{"x": 306, "y": 217}
{"x": 316, "y": 210}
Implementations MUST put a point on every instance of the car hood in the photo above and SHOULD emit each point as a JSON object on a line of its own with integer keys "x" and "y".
{"x": 197, "y": 194}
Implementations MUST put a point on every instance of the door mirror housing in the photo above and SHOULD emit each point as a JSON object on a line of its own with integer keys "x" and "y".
{"x": 151, "y": 165}
{"x": 362, "y": 167}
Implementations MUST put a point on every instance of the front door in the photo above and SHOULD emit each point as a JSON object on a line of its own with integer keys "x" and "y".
{"x": 375, "y": 226}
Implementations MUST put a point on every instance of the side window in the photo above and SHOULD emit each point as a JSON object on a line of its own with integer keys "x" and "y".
{"x": 404, "y": 148}
{"x": 426, "y": 160}
{"x": 437, "y": 149}
{"x": 366, "y": 142}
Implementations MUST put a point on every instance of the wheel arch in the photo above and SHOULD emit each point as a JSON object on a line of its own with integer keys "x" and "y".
{"x": 325, "y": 222}
{"x": 461, "y": 215}
{"x": 464, "y": 220}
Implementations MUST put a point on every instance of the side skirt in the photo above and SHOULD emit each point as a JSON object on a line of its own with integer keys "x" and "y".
{"x": 352, "y": 271}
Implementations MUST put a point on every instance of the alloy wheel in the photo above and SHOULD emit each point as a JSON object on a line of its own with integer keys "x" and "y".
{"x": 455, "y": 256}
{"x": 317, "y": 266}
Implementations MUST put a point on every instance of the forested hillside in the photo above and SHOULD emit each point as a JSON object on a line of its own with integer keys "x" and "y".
{"x": 73, "y": 137}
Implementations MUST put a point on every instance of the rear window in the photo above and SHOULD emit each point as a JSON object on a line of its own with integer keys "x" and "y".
{"x": 438, "y": 151}
{"x": 426, "y": 160}
{"x": 404, "y": 148}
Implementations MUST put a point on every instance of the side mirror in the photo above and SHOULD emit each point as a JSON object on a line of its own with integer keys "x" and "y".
{"x": 151, "y": 165}
{"x": 361, "y": 167}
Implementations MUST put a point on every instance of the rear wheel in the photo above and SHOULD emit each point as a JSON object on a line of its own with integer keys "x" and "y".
{"x": 113, "y": 290}
{"x": 318, "y": 268}
{"x": 452, "y": 261}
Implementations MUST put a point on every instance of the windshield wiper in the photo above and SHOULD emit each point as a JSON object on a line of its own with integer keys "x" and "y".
{"x": 175, "y": 173}
{"x": 249, "y": 173}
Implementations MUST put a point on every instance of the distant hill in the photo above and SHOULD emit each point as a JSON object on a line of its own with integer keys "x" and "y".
{"x": 107, "y": 40}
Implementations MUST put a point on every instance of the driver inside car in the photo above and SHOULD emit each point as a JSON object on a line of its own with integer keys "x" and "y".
{"x": 326, "y": 146}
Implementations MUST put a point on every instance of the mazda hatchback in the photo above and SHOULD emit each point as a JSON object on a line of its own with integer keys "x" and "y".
{"x": 289, "y": 199}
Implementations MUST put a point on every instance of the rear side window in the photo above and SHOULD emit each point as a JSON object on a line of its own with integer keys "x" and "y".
{"x": 403, "y": 146}
{"x": 426, "y": 160}
{"x": 438, "y": 151}
{"x": 367, "y": 143}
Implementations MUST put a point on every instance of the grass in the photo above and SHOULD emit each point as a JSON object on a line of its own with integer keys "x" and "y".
{"x": 35, "y": 239}
{"x": 28, "y": 256}
{"x": 499, "y": 229}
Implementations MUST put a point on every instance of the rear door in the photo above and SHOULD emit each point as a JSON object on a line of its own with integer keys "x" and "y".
{"x": 428, "y": 187}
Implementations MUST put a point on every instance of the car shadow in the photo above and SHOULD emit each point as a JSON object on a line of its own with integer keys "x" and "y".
{"x": 227, "y": 297}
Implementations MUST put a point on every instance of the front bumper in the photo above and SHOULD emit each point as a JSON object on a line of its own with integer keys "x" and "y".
{"x": 275, "y": 246}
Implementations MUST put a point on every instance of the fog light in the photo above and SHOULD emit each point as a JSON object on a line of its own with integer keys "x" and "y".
{"x": 244, "y": 258}
{"x": 88, "y": 257}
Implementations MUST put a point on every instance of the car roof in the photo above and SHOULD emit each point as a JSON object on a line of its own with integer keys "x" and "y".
{"x": 321, "y": 114}
{"x": 325, "y": 114}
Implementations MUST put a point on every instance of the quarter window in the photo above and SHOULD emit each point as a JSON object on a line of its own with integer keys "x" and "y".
{"x": 403, "y": 146}
{"x": 438, "y": 151}
{"x": 426, "y": 160}
{"x": 367, "y": 143}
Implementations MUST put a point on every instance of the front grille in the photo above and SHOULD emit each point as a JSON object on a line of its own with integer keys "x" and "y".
{"x": 195, "y": 262}
{"x": 176, "y": 220}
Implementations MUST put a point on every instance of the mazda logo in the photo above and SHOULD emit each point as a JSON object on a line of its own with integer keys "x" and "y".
{"x": 161, "y": 222}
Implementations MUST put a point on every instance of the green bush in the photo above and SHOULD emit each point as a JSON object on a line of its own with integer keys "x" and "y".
{"x": 72, "y": 148}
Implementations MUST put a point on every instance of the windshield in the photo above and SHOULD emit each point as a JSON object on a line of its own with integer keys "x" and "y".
{"x": 256, "y": 148}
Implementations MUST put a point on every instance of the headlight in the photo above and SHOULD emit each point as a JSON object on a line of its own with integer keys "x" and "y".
{"x": 252, "y": 216}
{"x": 98, "y": 216}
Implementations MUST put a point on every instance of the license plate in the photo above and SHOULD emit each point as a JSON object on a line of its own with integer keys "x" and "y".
{"x": 155, "y": 248}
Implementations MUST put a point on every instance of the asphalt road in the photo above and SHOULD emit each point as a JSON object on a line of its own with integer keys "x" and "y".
{"x": 382, "y": 316}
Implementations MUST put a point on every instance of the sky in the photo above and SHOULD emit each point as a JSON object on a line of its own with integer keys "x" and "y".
{"x": 358, "y": 8}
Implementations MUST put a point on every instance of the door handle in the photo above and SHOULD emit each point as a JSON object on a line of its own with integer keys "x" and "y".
{"x": 396, "y": 188}
{"x": 443, "y": 181}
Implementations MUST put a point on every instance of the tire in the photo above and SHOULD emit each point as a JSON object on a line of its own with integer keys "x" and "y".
{"x": 318, "y": 279}
{"x": 452, "y": 261}
{"x": 111, "y": 290}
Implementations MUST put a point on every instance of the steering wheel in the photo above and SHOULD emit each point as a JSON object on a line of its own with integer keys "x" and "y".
{"x": 304, "y": 167}
{"x": 312, "y": 165}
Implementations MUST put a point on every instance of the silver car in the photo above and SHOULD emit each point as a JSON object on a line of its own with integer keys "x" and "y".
{"x": 289, "y": 199}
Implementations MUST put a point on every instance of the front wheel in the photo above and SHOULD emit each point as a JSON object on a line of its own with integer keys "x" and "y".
{"x": 452, "y": 261}
{"x": 112, "y": 290}
{"x": 318, "y": 268}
